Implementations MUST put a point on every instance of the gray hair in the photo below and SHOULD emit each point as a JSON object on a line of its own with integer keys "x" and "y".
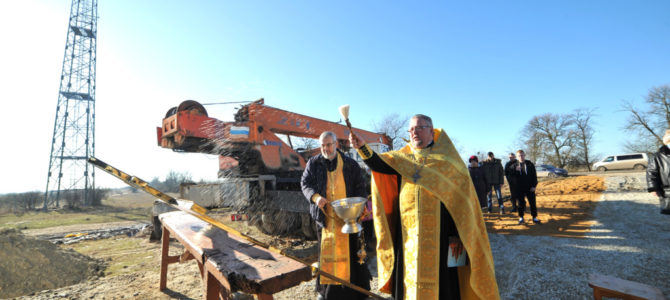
{"x": 328, "y": 134}
{"x": 424, "y": 118}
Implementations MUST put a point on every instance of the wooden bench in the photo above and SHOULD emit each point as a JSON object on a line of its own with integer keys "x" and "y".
{"x": 227, "y": 263}
{"x": 608, "y": 286}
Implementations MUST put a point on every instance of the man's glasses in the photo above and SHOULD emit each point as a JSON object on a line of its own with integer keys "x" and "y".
{"x": 327, "y": 144}
{"x": 415, "y": 128}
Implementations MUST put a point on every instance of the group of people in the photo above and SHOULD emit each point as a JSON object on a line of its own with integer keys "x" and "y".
{"x": 424, "y": 208}
{"x": 521, "y": 178}
{"x": 487, "y": 177}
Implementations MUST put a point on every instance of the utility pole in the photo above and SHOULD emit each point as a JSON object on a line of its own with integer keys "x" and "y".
{"x": 73, "y": 141}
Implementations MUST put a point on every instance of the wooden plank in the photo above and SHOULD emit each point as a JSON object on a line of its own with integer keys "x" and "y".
{"x": 608, "y": 286}
{"x": 165, "y": 243}
{"x": 186, "y": 256}
{"x": 215, "y": 289}
{"x": 264, "y": 297}
{"x": 247, "y": 267}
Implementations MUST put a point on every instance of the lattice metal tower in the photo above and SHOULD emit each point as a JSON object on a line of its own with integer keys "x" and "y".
{"x": 70, "y": 177}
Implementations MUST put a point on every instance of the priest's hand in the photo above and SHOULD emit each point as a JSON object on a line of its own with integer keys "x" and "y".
{"x": 456, "y": 248}
{"x": 355, "y": 141}
{"x": 321, "y": 202}
{"x": 366, "y": 212}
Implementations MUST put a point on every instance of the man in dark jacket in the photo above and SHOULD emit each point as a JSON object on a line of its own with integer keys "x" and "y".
{"x": 508, "y": 170}
{"x": 330, "y": 176}
{"x": 658, "y": 173}
{"x": 524, "y": 177}
{"x": 478, "y": 180}
{"x": 493, "y": 171}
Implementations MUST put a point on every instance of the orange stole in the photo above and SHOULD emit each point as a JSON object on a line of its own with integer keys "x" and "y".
{"x": 385, "y": 211}
{"x": 334, "y": 244}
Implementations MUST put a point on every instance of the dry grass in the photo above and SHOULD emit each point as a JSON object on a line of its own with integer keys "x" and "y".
{"x": 115, "y": 208}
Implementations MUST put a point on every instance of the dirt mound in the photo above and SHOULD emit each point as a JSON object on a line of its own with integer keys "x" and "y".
{"x": 565, "y": 207}
{"x": 29, "y": 265}
{"x": 571, "y": 185}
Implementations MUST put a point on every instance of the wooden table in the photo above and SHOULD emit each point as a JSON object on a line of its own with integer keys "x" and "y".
{"x": 608, "y": 286}
{"x": 227, "y": 263}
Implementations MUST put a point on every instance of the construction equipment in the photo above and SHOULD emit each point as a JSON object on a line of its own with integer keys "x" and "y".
{"x": 259, "y": 171}
{"x": 201, "y": 213}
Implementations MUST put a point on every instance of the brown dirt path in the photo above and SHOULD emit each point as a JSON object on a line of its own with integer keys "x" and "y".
{"x": 565, "y": 207}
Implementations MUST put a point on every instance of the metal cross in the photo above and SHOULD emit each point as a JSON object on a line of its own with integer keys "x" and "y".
{"x": 416, "y": 176}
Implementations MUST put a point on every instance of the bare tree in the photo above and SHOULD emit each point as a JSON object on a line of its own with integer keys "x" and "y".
{"x": 582, "y": 119}
{"x": 532, "y": 145}
{"x": 98, "y": 195}
{"x": 554, "y": 134}
{"x": 641, "y": 145}
{"x": 305, "y": 143}
{"x": 457, "y": 145}
{"x": 395, "y": 127}
{"x": 649, "y": 124}
{"x": 30, "y": 199}
{"x": 21, "y": 202}
{"x": 174, "y": 179}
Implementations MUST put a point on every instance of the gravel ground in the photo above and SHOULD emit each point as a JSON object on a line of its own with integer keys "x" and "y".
{"x": 630, "y": 240}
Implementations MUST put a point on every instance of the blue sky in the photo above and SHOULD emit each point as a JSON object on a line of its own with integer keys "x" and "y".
{"x": 482, "y": 69}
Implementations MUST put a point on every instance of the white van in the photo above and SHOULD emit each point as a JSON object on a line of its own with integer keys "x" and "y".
{"x": 637, "y": 161}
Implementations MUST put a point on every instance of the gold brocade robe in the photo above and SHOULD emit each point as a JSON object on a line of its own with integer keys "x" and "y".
{"x": 443, "y": 179}
{"x": 334, "y": 244}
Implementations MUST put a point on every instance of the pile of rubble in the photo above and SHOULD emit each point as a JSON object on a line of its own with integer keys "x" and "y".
{"x": 97, "y": 234}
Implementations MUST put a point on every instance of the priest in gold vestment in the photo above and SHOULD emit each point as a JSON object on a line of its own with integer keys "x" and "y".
{"x": 424, "y": 205}
{"x": 327, "y": 177}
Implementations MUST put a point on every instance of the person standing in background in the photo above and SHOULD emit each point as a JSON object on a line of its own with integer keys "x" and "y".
{"x": 658, "y": 174}
{"x": 525, "y": 178}
{"x": 510, "y": 183}
{"x": 493, "y": 171}
{"x": 478, "y": 180}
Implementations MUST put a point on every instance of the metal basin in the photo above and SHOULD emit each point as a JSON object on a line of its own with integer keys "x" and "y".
{"x": 349, "y": 210}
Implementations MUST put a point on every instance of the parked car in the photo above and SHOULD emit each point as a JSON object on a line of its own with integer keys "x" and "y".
{"x": 637, "y": 161}
{"x": 550, "y": 171}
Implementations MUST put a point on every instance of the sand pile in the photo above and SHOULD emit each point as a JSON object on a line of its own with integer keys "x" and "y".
{"x": 571, "y": 185}
{"x": 28, "y": 265}
{"x": 565, "y": 207}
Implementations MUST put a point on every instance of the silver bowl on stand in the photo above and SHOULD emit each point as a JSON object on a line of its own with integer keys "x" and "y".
{"x": 349, "y": 210}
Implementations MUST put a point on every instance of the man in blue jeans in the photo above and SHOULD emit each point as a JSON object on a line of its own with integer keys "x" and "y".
{"x": 493, "y": 171}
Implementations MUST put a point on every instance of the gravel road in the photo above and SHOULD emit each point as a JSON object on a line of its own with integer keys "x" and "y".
{"x": 630, "y": 240}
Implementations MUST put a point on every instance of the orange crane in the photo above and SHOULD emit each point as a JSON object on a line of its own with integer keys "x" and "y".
{"x": 265, "y": 169}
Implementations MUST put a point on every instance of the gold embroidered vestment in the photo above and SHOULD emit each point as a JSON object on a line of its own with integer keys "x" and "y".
{"x": 444, "y": 179}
